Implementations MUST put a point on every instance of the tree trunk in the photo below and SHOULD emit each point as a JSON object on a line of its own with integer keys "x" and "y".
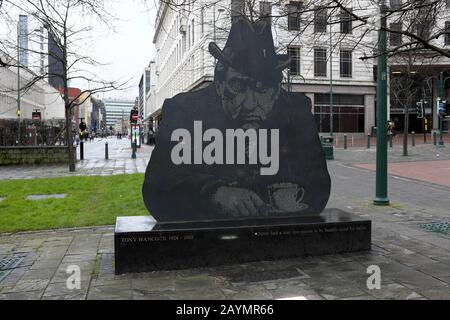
{"x": 68, "y": 104}
{"x": 405, "y": 133}
{"x": 69, "y": 140}
{"x": 407, "y": 106}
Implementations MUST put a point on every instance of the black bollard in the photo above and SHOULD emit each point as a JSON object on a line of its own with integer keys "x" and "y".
{"x": 133, "y": 149}
{"x": 81, "y": 150}
{"x": 106, "y": 151}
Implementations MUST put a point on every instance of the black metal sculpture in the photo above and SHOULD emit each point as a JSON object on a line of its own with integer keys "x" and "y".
{"x": 241, "y": 147}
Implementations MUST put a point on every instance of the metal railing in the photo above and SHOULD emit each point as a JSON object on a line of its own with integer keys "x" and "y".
{"x": 32, "y": 133}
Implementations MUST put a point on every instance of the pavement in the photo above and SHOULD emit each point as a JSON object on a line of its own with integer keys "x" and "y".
{"x": 414, "y": 262}
{"x": 359, "y": 140}
{"x": 437, "y": 172}
{"x": 94, "y": 163}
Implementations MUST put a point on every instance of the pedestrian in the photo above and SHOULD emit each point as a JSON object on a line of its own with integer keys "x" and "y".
{"x": 77, "y": 139}
{"x": 391, "y": 128}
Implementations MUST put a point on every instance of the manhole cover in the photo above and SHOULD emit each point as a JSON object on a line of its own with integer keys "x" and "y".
{"x": 439, "y": 227}
{"x": 8, "y": 264}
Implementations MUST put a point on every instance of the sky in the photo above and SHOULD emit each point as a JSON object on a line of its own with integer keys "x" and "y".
{"x": 123, "y": 52}
{"x": 129, "y": 49}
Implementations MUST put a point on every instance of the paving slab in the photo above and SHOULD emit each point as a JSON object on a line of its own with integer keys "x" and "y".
{"x": 61, "y": 290}
{"x": 28, "y": 285}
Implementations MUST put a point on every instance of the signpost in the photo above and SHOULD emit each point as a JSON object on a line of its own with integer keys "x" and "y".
{"x": 441, "y": 115}
{"x": 36, "y": 116}
{"x": 441, "y": 107}
{"x": 134, "y": 118}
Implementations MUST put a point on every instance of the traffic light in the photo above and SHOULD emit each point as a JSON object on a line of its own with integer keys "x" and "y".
{"x": 419, "y": 109}
{"x": 82, "y": 127}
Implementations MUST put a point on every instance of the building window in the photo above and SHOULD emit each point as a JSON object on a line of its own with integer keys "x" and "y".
{"x": 183, "y": 44}
{"x": 193, "y": 32}
{"x": 320, "y": 20}
{"x": 447, "y": 33}
{"x": 237, "y": 9}
{"x": 189, "y": 37}
{"x": 346, "y": 63}
{"x": 423, "y": 28}
{"x": 265, "y": 10}
{"x": 202, "y": 20}
{"x": 348, "y": 112}
{"x": 147, "y": 81}
{"x": 346, "y": 21}
{"x": 395, "y": 39}
{"x": 395, "y": 4}
{"x": 320, "y": 62}
{"x": 294, "y": 13}
{"x": 294, "y": 64}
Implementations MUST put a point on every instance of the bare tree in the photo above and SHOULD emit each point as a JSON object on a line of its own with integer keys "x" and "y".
{"x": 415, "y": 28}
{"x": 67, "y": 22}
{"x": 419, "y": 18}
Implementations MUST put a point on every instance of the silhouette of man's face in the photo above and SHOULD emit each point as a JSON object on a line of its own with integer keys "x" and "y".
{"x": 246, "y": 100}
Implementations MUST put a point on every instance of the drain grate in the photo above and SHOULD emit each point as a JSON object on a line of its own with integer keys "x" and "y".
{"x": 439, "y": 227}
{"x": 4, "y": 274}
{"x": 8, "y": 264}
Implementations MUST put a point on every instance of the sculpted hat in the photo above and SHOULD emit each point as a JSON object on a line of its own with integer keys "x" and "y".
{"x": 250, "y": 50}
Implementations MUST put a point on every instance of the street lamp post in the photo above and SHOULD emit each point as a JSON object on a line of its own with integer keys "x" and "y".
{"x": 443, "y": 80}
{"x": 331, "y": 83}
{"x": 381, "y": 198}
{"x": 18, "y": 80}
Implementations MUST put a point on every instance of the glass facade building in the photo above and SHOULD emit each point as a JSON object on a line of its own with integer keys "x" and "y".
{"x": 117, "y": 110}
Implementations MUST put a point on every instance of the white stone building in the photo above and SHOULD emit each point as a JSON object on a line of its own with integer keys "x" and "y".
{"x": 146, "y": 106}
{"x": 183, "y": 62}
{"x": 39, "y": 97}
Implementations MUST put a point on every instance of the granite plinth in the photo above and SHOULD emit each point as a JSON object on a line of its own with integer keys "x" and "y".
{"x": 142, "y": 244}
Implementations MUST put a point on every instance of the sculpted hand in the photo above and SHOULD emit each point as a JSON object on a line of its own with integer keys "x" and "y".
{"x": 239, "y": 202}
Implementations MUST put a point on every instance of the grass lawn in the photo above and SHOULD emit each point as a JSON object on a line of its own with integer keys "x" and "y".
{"x": 90, "y": 201}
